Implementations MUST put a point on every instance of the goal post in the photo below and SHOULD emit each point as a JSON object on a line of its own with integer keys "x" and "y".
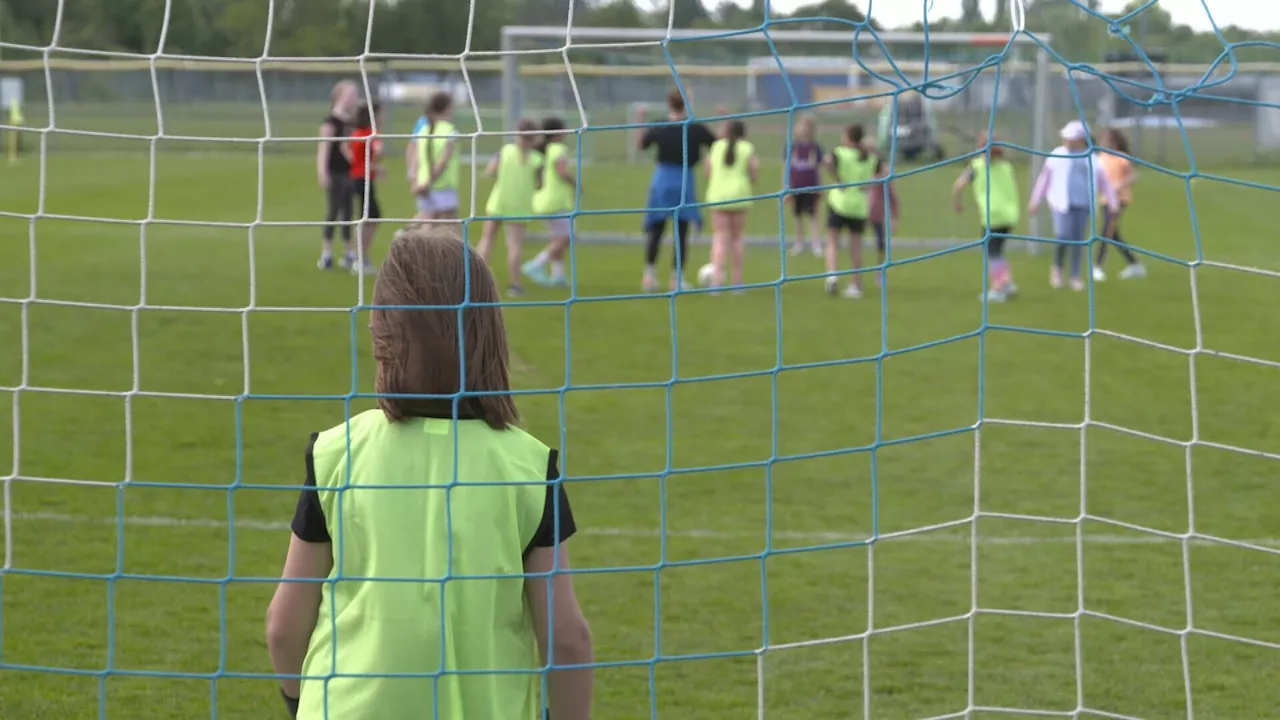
{"x": 539, "y": 71}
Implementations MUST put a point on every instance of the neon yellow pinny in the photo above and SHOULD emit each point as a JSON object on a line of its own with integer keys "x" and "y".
{"x": 447, "y": 632}
{"x": 851, "y": 201}
{"x": 431, "y": 147}
{"x": 555, "y": 197}
{"x": 727, "y": 183}
{"x": 513, "y": 190}
{"x": 998, "y": 184}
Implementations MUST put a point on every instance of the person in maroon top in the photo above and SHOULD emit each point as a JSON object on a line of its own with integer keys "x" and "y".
{"x": 802, "y": 177}
{"x": 878, "y": 195}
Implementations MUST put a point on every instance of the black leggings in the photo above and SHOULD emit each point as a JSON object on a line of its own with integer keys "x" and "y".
{"x": 340, "y": 201}
{"x": 654, "y": 243}
{"x": 1118, "y": 241}
{"x": 995, "y": 241}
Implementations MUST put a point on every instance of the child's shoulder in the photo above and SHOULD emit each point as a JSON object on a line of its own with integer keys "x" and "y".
{"x": 337, "y": 436}
{"x": 520, "y": 436}
{"x": 512, "y": 441}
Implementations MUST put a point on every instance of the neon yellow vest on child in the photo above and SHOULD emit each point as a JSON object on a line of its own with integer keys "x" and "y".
{"x": 512, "y": 194}
{"x": 999, "y": 185}
{"x": 727, "y": 183}
{"x": 432, "y": 620}
{"x": 555, "y": 197}
{"x": 432, "y": 146}
{"x": 851, "y": 202}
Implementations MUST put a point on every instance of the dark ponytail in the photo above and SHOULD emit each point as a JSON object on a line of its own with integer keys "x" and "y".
{"x": 552, "y": 130}
{"x": 856, "y": 133}
{"x": 1119, "y": 141}
{"x": 364, "y": 116}
{"x": 437, "y": 105}
{"x": 736, "y": 131}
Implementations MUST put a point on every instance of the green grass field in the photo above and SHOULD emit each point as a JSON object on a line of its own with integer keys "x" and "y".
{"x": 823, "y": 421}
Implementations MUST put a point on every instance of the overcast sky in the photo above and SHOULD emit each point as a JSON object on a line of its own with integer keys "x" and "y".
{"x": 1251, "y": 14}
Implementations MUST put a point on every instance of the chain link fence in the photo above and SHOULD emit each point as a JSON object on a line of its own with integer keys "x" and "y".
{"x": 120, "y": 106}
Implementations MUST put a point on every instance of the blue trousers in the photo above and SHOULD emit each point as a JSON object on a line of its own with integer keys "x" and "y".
{"x": 1071, "y": 226}
{"x": 672, "y": 191}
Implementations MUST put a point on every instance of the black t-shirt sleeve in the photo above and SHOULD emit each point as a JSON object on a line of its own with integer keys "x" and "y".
{"x": 648, "y": 139}
{"x": 557, "y": 504}
{"x": 308, "y": 518}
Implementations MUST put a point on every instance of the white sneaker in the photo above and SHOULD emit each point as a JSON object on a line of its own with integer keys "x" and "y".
{"x": 818, "y": 251}
{"x": 1136, "y": 270}
{"x": 1077, "y": 284}
{"x": 1055, "y": 277}
{"x": 649, "y": 284}
{"x": 347, "y": 262}
{"x": 367, "y": 269}
{"x": 1010, "y": 290}
{"x": 797, "y": 249}
{"x": 833, "y": 286}
{"x": 1099, "y": 275}
{"x": 993, "y": 295}
{"x": 852, "y": 292}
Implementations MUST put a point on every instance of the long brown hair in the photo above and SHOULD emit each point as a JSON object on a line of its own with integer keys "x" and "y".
{"x": 734, "y": 132}
{"x": 855, "y": 133}
{"x": 526, "y": 140}
{"x": 675, "y": 102}
{"x": 552, "y": 132}
{"x": 437, "y": 105}
{"x": 1117, "y": 141}
{"x": 428, "y": 331}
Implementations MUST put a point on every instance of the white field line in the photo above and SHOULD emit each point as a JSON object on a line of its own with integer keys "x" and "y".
{"x": 161, "y": 521}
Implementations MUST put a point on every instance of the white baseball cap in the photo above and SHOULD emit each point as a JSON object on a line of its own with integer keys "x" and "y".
{"x": 1075, "y": 130}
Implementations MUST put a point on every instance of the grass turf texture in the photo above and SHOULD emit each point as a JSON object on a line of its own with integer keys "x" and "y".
{"x": 698, "y": 596}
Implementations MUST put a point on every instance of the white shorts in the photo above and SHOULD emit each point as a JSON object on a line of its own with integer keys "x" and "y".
{"x": 438, "y": 201}
{"x": 558, "y": 227}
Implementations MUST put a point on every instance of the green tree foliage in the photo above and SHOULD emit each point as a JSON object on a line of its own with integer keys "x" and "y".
{"x": 1002, "y": 20}
{"x": 839, "y": 9}
{"x": 315, "y": 28}
{"x": 613, "y": 13}
{"x": 688, "y": 13}
{"x": 971, "y": 14}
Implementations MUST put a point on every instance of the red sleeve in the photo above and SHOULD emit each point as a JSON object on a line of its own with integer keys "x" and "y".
{"x": 893, "y": 201}
{"x": 359, "y": 142}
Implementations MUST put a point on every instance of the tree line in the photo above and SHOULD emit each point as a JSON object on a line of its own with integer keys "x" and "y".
{"x": 331, "y": 28}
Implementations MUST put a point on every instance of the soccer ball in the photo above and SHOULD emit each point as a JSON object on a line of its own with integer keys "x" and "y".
{"x": 706, "y": 274}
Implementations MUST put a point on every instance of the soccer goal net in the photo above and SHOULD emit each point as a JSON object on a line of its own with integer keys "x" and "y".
{"x": 811, "y": 71}
{"x": 929, "y": 494}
